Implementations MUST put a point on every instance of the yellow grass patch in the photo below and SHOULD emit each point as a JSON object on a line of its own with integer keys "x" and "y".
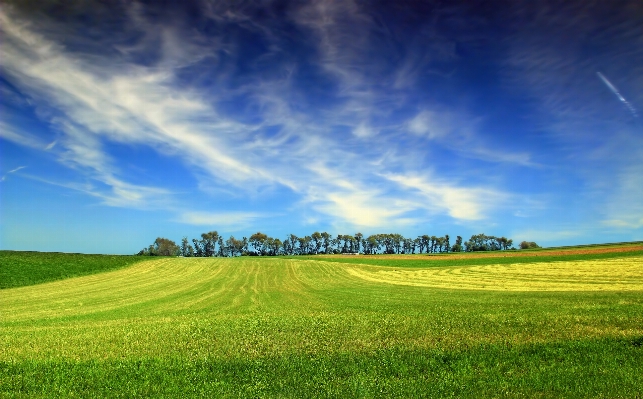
{"x": 624, "y": 274}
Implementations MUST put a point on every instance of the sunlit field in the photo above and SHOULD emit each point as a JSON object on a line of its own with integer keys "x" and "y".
{"x": 331, "y": 327}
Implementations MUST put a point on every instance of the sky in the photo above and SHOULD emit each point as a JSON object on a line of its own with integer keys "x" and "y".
{"x": 123, "y": 121}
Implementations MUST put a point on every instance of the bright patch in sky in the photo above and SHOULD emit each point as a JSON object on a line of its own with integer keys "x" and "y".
{"x": 120, "y": 123}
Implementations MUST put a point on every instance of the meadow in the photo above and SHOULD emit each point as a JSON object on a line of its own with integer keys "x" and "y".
{"x": 548, "y": 324}
{"x": 20, "y": 268}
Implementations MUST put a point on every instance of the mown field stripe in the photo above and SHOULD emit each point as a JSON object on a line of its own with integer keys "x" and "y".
{"x": 443, "y": 260}
{"x": 608, "y": 274}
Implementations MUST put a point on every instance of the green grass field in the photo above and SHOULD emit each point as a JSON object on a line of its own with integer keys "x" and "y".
{"x": 330, "y": 327}
{"x": 19, "y": 268}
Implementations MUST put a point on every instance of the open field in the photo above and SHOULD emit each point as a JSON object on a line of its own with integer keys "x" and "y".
{"x": 322, "y": 327}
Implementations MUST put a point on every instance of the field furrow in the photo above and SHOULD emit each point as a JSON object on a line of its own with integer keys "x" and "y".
{"x": 592, "y": 275}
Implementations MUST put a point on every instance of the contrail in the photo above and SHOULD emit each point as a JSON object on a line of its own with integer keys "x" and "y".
{"x": 11, "y": 171}
{"x": 618, "y": 95}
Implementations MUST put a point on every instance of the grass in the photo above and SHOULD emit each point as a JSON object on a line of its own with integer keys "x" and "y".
{"x": 447, "y": 260}
{"x": 576, "y": 253}
{"x": 485, "y": 371}
{"x": 277, "y": 327}
{"x": 19, "y": 268}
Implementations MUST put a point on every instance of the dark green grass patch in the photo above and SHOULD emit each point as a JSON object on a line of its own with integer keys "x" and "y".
{"x": 446, "y": 260}
{"x": 608, "y": 368}
{"x": 18, "y": 268}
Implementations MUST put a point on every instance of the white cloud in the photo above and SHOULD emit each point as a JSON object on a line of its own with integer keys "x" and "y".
{"x": 363, "y": 208}
{"x": 231, "y": 221}
{"x": 433, "y": 125}
{"x": 101, "y": 100}
{"x": 363, "y": 131}
{"x": 132, "y": 105}
{"x": 459, "y": 202}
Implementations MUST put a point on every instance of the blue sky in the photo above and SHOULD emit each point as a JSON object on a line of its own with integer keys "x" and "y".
{"x": 123, "y": 121}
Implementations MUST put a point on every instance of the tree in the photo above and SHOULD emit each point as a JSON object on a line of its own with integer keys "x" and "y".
{"x": 275, "y": 246}
{"x": 292, "y": 241}
{"x": 223, "y": 250}
{"x": 186, "y": 248}
{"x": 317, "y": 241}
{"x": 235, "y": 247}
{"x": 326, "y": 238}
{"x": 334, "y": 245}
{"x": 209, "y": 242}
{"x": 371, "y": 245}
{"x": 409, "y": 246}
{"x": 305, "y": 244}
{"x": 165, "y": 247}
{"x": 439, "y": 244}
{"x": 308, "y": 245}
{"x": 424, "y": 243}
{"x": 434, "y": 241}
{"x": 258, "y": 241}
{"x": 198, "y": 248}
{"x": 457, "y": 247}
{"x": 528, "y": 245}
{"x": 358, "y": 242}
{"x": 349, "y": 244}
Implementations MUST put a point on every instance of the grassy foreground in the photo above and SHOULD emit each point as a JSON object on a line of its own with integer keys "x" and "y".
{"x": 275, "y": 327}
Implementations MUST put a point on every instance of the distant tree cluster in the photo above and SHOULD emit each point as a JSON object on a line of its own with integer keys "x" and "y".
{"x": 260, "y": 244}
{"x": 161, "y": 247}
{"x": 481, "y": 242}
{"x": 528, "y": 245}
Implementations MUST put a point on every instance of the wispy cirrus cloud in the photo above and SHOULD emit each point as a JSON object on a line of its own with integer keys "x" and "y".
{"x": 243, "y": 120}
{"x": 11, "y": 133}
{"x": 457, "y": 131}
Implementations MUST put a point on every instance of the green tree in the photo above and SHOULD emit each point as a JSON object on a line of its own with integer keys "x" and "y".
{"x": 528, "y": 245}
{"x": 165, "y": 247}
{"x": 457, "y": 247}
{"x": 223, "y": 250}
{"x": 209, "y": 242}
{"x": 186, "y": 249}
{"x": 326, "y": 242}
{"x": 198, "y": 247}
{"x": 258, "y": 242}
{"x": 317, "y": 241}
{"x": 359, "y": 237}
{"x": 235, "y": 247}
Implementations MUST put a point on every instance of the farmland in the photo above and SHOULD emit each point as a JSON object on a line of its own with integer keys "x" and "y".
{"x": 565, "y": 323}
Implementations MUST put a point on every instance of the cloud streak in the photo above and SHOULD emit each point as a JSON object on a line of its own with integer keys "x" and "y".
{"x": 4, "y": 177}
{"x": 617, "y": 94}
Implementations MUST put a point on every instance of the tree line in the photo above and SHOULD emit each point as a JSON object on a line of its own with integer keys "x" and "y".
{"x": 260, "y": 244}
